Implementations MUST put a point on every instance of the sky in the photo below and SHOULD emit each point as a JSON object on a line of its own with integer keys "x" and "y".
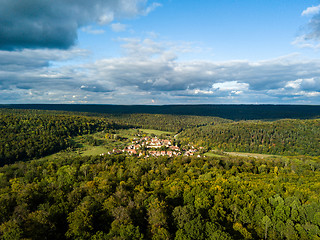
{"x": 160, "y": 52}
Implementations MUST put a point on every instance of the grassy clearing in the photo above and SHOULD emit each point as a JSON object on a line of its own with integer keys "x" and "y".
{"x": 255, "y": 155}
{"x": 58, "y": 155}
{"x": 156, "y": 132}
{"x": 107, "y": 145}
{"x": 210, "y": 154}
{"x": 99, "y": 135}
{"x": 94, "y": 150}
{"x": 123, "y": 133}
{"x": 128, "y": 133}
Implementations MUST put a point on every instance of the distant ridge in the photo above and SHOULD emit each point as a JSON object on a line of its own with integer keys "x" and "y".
{"x": 235, "y": 112}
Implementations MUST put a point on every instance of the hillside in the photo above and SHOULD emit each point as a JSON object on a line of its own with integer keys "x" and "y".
{"x": 286, "y": 137}
{"x": 27, "y": 134}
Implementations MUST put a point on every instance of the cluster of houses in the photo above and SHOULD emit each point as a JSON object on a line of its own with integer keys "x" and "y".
{"x": 148, "y": 146}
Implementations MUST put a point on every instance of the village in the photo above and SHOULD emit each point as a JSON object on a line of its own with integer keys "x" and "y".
{"x": 154, "y": 146}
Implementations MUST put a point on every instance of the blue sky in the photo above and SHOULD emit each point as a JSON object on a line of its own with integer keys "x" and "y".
{"x": 160, "y": 52}
{"x": 252, "y": 30}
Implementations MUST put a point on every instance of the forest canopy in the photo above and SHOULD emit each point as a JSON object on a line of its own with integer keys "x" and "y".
{"x": 228, "y": 111}
{"x": 121, "y": 197}
{"x": 285, "y": 137}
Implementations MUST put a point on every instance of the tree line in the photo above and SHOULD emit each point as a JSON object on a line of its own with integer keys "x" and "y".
{"x": 164, "y": 122}
{"x": 230, "y": 111}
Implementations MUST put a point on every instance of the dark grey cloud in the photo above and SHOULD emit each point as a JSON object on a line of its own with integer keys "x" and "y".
{"x": 54, "y": 24}
{"x": 34, "y": 70}
{"x": 24, "y": 86}
{"x": 35, "y": 59}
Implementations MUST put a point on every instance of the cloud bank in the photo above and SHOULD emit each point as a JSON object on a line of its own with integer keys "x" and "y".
{"x": 150, "y": 72}
{"x": 54, "y": 24}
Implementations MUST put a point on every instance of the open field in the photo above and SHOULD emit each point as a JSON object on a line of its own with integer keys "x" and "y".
{"x": 211, "y": 154}
{"x": 93, "y": 150}
{"x": 255, "y": 155}
{"x": 156, "y": 132}
{"x": 58, "y": 155}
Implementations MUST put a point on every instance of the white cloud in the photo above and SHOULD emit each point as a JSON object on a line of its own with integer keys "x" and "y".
{"x": 152, "y": 7}
{"x": 231, "y": 86}
{"x": 236, "y": 92}
{"x": 141, "y": 48}
{"x": 311, "y": 10}
{"x": 91, "y": 30}
{"x": 306, "y": 84}
{"x": 198, "y": 91}
{"x": 118, "y": 27}
{"x": 310, "y": 94}
{"x": 294, "y": 84}
{"x": 161, "y": 82}
{"x": 304, "y": 41}
{"x": 106, "y": 18}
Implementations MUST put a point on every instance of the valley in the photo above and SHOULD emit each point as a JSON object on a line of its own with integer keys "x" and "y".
{"x": 68, "y": 175}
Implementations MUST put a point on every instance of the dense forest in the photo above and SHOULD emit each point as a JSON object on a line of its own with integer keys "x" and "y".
{"x": 32, "y": 134}
{"x": 119, "y": 196}
{"x": 165, "y": 122}
{"x": 286, "y": 137}
{"x": 228, "y": 111}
